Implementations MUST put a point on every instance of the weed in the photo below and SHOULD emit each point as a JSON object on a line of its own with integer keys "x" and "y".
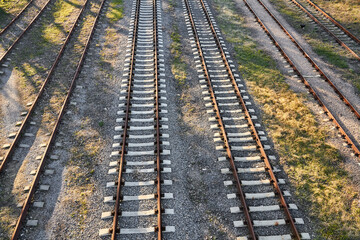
{"x": 178, "y": 66}
{"x": 116, "y": 10}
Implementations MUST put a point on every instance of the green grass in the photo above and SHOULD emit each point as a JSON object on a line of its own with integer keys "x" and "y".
{"x": 3, "y": 16}
{"x": 8, "y": 9}
{"x": 330, "y": 52}
{"x": 178, "y": 66}
{"x": 326, "y": 50}
{"x": 314, "y": 167}
{"x": 116, "y": 10}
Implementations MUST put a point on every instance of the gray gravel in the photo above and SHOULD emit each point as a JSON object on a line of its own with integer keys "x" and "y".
{"x": 200, "y": 203}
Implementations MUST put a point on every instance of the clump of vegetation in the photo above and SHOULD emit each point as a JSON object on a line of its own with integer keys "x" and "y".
{"x": 116, "y": 10}
{"x": 8, "y": 9}
{"x": 82, "y": 162}
{"x": 178, "y": 66}
{"x": 315, "y": 168}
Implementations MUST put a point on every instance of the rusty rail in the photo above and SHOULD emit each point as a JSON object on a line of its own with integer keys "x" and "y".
{"x": 250, "y": 124}
{"x": 16, "y": 17}
{"x": 158, "y": 211}
{"x": 158, "y": 149}
{"x": 334, "y": 21}
{"x": 53, "y": 134}
{"x": 307, "y": 84}
{"x": 22, "y": 34}
{"x": 37, "y": 99}
{"x": 312, "y": 62}
{"x": 339, "y": 41}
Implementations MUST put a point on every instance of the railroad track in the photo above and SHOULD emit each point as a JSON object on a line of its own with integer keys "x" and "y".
{"x": 338, "y": 32}
{"x": 22, "y": 125}
{"x": 13, "y": 32}
{"x": 15, "y": 18}
{"x": 316, "y": 84}
{"x": 263, "y": 207}
{"x": 34, "y": 148}
{"x": 139, "y": 163}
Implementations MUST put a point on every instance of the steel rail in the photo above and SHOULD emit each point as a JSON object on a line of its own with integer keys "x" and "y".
{"x": 307, "y": 84}
{"x": 53, "y": 134}
{"x": 158, "y": 149}
{"x": 312, "y": 62}
{"x": 15, "y": 18}
{"x": 339, "y": 41}
{"x": 222, "y": 128}
{"x": 22, "y": 34}
{"x": 334, "y": 21}
{"x": 251, "y": 124}
{"x": 114, "y": 230}
{"x": 37, "y": 99}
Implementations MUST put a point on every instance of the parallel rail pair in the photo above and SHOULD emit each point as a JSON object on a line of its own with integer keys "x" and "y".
{"x": 126, "y": 123}
{"x": 351, "y": 143}
{"x": 26, "y": 121}
{"x": 218, "y": 109}
{"x": 333, "y": 34}
{"x": 12, "y": 24}
{"x": 141, "y": 139}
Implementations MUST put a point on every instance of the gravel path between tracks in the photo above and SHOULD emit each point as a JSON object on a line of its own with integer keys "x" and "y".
{"x": 74, "y": 203}
{"x": 200, "y": 209}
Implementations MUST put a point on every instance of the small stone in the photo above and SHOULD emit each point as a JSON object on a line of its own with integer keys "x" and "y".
{"x": 39, "y": 204}
{"x": 26, "y": 188}
{"x": 11, "y": 135}
{"x": 5, "y": 146}
{"x": 44, "y": 187}
{"x": 49, "y": 172}
{"x": 32, "y": 223}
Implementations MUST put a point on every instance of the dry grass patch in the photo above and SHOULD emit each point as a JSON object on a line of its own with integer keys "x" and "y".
{"x": 315, "y": 169}
{"x": 347, "y": 12}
